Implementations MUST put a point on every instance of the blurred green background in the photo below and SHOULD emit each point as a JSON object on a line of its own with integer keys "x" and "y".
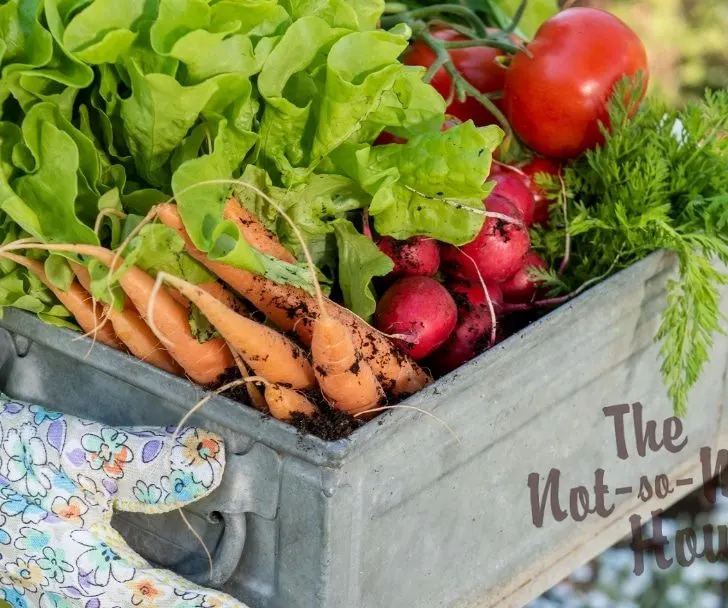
{"x": 686, "y": 41}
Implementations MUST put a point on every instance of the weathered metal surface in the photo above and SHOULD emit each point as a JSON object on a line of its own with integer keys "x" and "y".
{"x": 406, "y": 512}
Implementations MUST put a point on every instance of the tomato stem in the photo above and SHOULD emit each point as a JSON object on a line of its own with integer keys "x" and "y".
{"x": 460, "y": 29}
{"x": 496, "y": 43}
{"x": 517, "y": 17}
{"x": 462, "y": 86}
{"x": 432, "y": 70}
{"x": 436, "y": 9}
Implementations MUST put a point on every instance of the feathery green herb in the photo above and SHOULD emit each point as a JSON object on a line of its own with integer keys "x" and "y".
{"x": 659, "y": 182}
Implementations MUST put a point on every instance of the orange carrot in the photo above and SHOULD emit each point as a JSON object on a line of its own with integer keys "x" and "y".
{"x": 283, "y": 403}
{"x": 203, "y": 362}
{"x": 255, "y": 233}
{"x": 78, "y": 302}
{"x": 292, "y": 309}
{"x": 343, "y": 374}
{"x": 132, "y": 330}
{"x": 215, "y": 288}
{"x": 266, "y": 351}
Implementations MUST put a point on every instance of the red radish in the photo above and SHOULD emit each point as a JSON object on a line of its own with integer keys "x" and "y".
{"x": 418, "y": 256}
{"x": 521, "y": 288}
{"x": 471, "y": 295}
{"x": 420, "y": 310}
{"x": 512, "y": 187}
{"x": 386, "y": 138}
{"x": 497, "y": 251}
{"x": 473, "y": 332}
{"x": 540, "y": 165}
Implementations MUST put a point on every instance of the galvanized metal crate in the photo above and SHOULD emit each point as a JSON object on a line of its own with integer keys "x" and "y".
{"x": 403, "y": 513}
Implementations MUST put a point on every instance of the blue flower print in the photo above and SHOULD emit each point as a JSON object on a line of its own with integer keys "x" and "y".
{"x": 31, "y": 540}
{"x": 61, "y": 481}
{"x": 108, "y": 452}
{"x": 147, "y": 494}
{"x": 182, "y": 487}
{"x": 53, "y": 564}
{"x": 26, "y": 455}
{"x": 13, "y": 598}
{"x": 4, "y": 536}
{"x": 13, "y": 504}
{"x": 42, "y": 414}
{"x": 101, "y": 561}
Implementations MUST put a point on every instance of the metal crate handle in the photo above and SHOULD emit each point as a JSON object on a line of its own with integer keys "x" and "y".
{"x": 228, "y": 553}
{"x": 251, "y": 484}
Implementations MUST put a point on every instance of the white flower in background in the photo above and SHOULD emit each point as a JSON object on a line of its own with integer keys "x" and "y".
{"x": 562, "y": 591}
{"x": 717, "y": 572}
{"x": 584, "y": 574}
{"x": 597, "y": 599}
{"x": 618, "y": 559}
{"x": 696, "y": 573}
{"x": 677, "y": 595}
{"x": 710, "y": 600}
{"x": 635, "y": 586}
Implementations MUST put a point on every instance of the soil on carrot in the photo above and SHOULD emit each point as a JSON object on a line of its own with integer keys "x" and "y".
{"x": 329, "y": 424}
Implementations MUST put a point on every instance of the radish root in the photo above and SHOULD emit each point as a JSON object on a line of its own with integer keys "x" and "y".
{"x": 567, "y": 237}
{"x": 491, "y": 308}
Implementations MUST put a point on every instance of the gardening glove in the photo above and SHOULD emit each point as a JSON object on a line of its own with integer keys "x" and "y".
{"x": 60, "y": 480}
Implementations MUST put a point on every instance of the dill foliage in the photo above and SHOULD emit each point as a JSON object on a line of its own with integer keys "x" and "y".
{"x": 659, "y": 182}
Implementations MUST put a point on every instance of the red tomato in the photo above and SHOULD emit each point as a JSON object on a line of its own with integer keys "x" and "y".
{"x": 540, "y": 165}
{"x": 476, "y": 64}
{"x": 555, "y": 99}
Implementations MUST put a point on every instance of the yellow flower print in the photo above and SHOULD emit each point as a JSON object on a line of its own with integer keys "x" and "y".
{"x": 24, "y": 576}
{"x": 198, "y": 451}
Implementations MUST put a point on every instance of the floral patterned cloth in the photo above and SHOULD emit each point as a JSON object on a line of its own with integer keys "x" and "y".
{"x": 60, "y": 480}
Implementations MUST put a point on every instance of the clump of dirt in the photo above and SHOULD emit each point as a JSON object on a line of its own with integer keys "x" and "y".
{"x": 329, "y": 424}
{"x": 237, "y": 393}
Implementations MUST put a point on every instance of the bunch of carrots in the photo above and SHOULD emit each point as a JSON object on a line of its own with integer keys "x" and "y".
{"x": 317, "y": 352}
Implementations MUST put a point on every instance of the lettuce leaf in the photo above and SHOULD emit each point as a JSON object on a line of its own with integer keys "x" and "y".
{"x": 360, "y": 68}
{"x": 23, "y": 290}
{"x": 287, "y": 82}
{"x": 360, "y": 260}
{"x": 430, "y": 186}
{"x": 157, "y": 117}
{"x": 158, "y": 248}
{"x": 44, "y": 202}
{"x": 314, "y": 208}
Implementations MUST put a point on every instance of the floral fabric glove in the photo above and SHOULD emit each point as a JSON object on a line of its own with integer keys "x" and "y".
{"x": 60, "y": 480}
